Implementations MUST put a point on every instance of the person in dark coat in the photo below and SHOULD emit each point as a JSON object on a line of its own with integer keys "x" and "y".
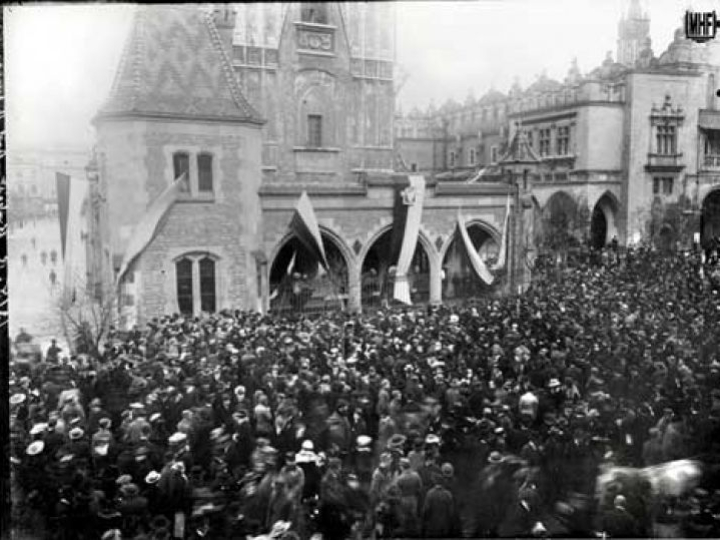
{"x": 439, "y": 518}
{"x": 618, "y": 522}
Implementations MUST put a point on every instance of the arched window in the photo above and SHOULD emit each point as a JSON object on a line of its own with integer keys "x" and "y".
{"x": 196, "y": 283}
{"x": 207, "y": 285}
{"x": 205, "y": 173}
{"x": 184, "y": 275}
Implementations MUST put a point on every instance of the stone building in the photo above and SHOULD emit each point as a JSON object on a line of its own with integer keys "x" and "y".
{"x": 259, "y": 103}
{"x": 175, "y": 108}
{"x": 629, "y": 149}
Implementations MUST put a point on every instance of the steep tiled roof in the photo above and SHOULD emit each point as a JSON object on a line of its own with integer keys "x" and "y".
{"x": 174, "y": 65}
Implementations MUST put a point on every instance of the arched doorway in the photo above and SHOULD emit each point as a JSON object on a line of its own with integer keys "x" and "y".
{"x": 560, "y": 220}
{"x": 665, "y": 240}
{"x": 602, "y": 223}
{"x": 710, "y": 219}
{"x": 459, "y": 278}
{"x": 299, "y": 284}
{"x": 378, "y": 272}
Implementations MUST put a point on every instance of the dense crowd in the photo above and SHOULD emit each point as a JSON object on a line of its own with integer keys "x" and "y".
{"x": 491, "y": 418}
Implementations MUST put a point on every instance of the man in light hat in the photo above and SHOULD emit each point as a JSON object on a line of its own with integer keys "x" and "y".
{"x": 307, "y": 460}
{"x": 78, "y": 444}
{"x": 363, "y": 460}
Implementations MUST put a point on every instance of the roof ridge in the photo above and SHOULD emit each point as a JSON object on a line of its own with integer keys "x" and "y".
{"x": 240, "y": 100}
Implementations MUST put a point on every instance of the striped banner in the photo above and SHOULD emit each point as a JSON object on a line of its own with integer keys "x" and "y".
{"x": 305, "y": 226}
{"x": 145, "y": 231}
{"x": 475, "y": 260}
{"x": 413, "y": 197}
{"x": 502, "y": 257}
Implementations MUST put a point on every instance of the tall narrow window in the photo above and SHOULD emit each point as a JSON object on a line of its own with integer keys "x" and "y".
{"x": 181, "y": 165}
{"x": 563, "y": 140}
{"x": 452, "y": 159}
{"x": 207, "y": 285}
{"x": 205, "y": 173}
{"x": 656, "y": 186}
{"x": 666, "y": 140}
{"x": 183, "y": 270}
{"x": 667, "y": 185}
{"x": 314, "y": 130}
{"x": 493, "y": 154}
{"x": 544, "y": 142}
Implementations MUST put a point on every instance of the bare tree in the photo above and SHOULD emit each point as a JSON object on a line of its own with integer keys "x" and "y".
{"x": 87, "y": 312}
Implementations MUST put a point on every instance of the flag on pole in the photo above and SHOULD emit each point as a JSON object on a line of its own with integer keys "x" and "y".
{"x": 145, "y": 231}
{"x": 413, "y": 197}
{"x": 291, "y": 266}
{"x": 305, "y": 226}
{"x": 62, "y": 182}
{"x": 475, "y": 260}
{"x": 502, "y": 257}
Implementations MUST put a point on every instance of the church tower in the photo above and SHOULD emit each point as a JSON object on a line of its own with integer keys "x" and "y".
{"x": 633, "y": 31}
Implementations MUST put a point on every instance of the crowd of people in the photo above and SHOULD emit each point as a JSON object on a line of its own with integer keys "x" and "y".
{"x": 488, "y": 419}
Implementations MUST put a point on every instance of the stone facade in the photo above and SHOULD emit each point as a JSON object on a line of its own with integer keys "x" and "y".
{"x": 628, "y": 150}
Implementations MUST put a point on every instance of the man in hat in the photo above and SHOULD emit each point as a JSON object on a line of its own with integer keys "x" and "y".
{"x": 339, "y": 431}
{"x": 294, "y": 478}
{"x": 617, "y": 522}
{"x": 307, "y": 460}
{"x": 78, "y": 444}
{"x": 439, "y": 515}
{"x": 411, "y": 491}
{"x": 363, "y": 460}
{"x": 382, "y": 478}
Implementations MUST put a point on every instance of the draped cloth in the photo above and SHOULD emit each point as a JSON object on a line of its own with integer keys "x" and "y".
{"x": 476, "y": 261}
{"x": 305, "y": 226}
{"x": 147, "y": 228}
{"x": 413, "y": 197}
{"x": 502, "y": 257}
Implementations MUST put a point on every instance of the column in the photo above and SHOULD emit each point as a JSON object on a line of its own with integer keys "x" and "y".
{"x": 354, "y": 288}
{"x": 435, "y": 277}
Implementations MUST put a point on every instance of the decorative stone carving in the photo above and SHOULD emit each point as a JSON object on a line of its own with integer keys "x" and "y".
{"x": 315, "y": 40}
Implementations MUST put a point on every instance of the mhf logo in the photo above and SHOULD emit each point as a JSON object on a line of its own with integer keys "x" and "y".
{"x": 701, "y": 26}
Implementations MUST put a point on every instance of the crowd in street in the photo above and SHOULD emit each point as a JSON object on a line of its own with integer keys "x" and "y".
{"x": 488, "y": 419}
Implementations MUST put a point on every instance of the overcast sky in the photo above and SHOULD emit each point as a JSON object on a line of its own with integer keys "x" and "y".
{"x": 60, "y": 59}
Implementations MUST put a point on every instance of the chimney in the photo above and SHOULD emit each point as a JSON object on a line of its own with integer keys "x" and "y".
{"x": 224, "y": 17}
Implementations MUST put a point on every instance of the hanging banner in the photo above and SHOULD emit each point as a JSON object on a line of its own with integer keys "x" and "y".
{"x": 502, "y": 257}
{"x": 475, "y": 260}
{"x": 305, "y": 226}
{"x": 145, "y": 231}
{"x": 413, "y": 197}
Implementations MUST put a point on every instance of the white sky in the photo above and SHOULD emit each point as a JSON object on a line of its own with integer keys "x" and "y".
{"x": 61, "y": 59}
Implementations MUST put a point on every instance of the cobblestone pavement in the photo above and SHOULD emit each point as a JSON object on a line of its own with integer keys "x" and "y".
{"x": 33, "y": 301}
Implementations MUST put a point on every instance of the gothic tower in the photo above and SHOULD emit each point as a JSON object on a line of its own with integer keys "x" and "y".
{"x": 633, "y": 30}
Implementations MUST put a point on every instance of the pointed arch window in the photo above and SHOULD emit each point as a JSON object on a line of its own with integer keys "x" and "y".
{"x": 184, "y": 278}
{"x": 197, "y": 283}
{"x": 207, "y": 285}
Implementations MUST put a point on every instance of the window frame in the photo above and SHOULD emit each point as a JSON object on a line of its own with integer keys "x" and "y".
{"x": 314, "y": 130}
{"x": 195, "y": 258}
{"x": 210, "y": 169}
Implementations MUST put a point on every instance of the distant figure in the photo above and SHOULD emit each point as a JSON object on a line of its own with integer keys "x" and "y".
{"x": 53, "y": 277}
{"x": 24, "y": 259}
{"x": 43, "y": 257}
{"x": 23, "y": 337}
{"x": 53, "y": 256}
{"x": 32, "y": 240}
{"x": 53, "y": 351}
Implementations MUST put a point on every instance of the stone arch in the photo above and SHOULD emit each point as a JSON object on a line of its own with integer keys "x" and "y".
{"x": 375, "y": 277}
{"x": 710, "y": 217}
{"x": 459, "y": 279}
{"x": 603, "y": 221}
{"x": 666, "y": 238}
{"x": 306, "y": 286}
{"x": 561, "y": 221}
